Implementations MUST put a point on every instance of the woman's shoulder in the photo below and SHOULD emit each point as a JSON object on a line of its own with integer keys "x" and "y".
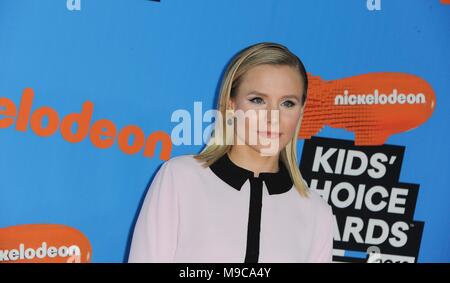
{"x": 178, "y": 171}
{"x": 182, "y": 163}
{"x": 317, "y": 203}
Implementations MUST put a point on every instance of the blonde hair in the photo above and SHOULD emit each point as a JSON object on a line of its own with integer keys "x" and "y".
{"x": 254, "y": 55}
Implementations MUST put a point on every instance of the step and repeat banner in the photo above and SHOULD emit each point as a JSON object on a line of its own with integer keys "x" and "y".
{"x": 96, "y": 94}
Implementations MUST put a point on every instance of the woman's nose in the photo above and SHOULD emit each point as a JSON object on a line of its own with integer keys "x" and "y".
{"x": 273, "y": 115}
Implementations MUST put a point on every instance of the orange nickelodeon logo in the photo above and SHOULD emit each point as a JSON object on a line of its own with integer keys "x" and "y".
{"x": 374, "y": 106}
{"x": 102, "y": 133}
{"x": 43, "y": 243}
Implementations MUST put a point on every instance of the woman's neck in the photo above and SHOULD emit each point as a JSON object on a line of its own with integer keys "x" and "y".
{"x": 247, "y": 158}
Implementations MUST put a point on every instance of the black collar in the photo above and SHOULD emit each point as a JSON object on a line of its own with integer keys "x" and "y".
{"x": 235, "y": 176}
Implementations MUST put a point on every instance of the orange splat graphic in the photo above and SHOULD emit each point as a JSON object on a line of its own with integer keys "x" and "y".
{"x": 49, "y": 243}
{"x": 356, "y": 104}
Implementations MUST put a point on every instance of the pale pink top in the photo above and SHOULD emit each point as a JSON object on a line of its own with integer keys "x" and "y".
{"x": 194, "y": 214}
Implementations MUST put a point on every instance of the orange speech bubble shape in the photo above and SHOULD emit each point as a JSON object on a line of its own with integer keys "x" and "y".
{"x": 43, "y": 243}
{"x": 374, "y": 106}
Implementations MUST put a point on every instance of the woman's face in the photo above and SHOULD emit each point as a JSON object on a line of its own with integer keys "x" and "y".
{"x": 270, "y": 96}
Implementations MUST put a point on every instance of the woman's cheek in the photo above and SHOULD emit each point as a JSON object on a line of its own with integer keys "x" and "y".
{"x": 289, "y": 123}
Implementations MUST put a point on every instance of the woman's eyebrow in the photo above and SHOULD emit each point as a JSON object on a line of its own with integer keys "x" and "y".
{"x": 265, "y": 95}
{"x": 257, "y": 93}
{"x": 291, "y": 96}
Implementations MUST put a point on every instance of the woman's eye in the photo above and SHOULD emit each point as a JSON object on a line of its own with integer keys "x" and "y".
{"x": 288, "y": 103}
{"x": 257, "y": 100}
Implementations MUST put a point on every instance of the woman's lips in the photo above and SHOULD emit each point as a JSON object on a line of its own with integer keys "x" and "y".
{"x": 270, "y": 134}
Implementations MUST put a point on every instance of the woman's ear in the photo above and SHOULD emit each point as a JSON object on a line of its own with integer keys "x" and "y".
{"x": 231, "y": 105}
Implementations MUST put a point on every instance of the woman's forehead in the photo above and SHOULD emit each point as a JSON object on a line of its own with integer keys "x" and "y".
{"x": 268, "y": 80}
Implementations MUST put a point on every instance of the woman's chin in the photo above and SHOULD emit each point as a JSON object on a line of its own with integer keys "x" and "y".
{"x": 268, "y": 150}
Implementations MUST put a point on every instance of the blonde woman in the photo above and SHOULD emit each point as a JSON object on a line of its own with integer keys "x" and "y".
{"x": 241, "y": 200}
